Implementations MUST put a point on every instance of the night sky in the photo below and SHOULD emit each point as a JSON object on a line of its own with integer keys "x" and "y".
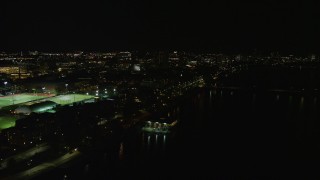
{"x": 229, "y": 26}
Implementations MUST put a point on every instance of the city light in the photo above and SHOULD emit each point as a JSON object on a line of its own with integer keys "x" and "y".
{"x": 206, "y": 86}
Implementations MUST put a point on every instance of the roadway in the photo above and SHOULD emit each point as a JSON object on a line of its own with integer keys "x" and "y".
{"x": 24, "y": 155}
{"x": 44, "y": 167}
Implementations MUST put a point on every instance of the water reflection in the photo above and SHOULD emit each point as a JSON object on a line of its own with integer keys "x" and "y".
{"x": 149, "y": 141}
{"x": 121, "y": 152}
{"x": 253, "y": 102}
{"x": 164, "y": 142}
{"x": 290, "y": 99}
{"x": 301, "y": 104}
{"x": 142, "y": 139}
{"x": 86, "y": 169}
{"x": 153, "y": 140}
{"x": 254, "y": 96}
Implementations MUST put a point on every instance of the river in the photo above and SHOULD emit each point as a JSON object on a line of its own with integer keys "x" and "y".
{"x": 222, "y": 134}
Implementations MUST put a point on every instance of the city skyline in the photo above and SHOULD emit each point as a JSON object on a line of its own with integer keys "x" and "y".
{"x": 122, "y": 89}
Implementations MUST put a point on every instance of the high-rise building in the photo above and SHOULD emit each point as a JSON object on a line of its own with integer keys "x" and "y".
{"x": 162, "y": 58}
{"x": 174, "y": 58}
{"x": 124, "y": 56}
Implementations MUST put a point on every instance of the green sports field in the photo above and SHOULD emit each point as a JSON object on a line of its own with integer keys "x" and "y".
{"x": 7, "y": 122}
{"x": 18, "y": 98}
{"x": 69, "y": 98}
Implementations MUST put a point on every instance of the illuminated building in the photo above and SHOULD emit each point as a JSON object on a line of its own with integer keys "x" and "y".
{"x": 124, "y": 56}
{"x": 9, "y": 70}
{"x": 15, "y": 72}
{"x": 36, "y": 108}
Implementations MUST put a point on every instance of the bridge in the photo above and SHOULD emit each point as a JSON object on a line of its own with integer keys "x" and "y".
{"x": 267, "y": 90}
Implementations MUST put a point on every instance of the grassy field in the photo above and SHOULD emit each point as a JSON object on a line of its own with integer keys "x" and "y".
{"x": 69, "y": 98}
{"x": 7, "y": 122}
{"x": 19, "y": 98}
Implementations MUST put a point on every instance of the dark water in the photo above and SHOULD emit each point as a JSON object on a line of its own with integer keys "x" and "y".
{"x": 222, "y": 134}
{"x": 226, "y": 134}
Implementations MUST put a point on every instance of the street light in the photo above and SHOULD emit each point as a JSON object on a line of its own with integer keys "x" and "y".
{"x": 67, "y": 88}
{"x": 5, "y": 84}
{"x": 34, "y": 91}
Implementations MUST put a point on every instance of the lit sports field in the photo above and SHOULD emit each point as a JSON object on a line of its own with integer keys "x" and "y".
{"x": 69, "y": 98}
{"x": 7, "y": 122}
{"x": 19, "y": 98}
